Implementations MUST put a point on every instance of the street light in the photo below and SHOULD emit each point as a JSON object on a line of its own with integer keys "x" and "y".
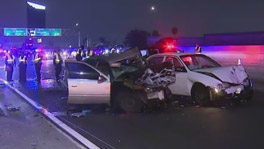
{"x": 153, "y": 8}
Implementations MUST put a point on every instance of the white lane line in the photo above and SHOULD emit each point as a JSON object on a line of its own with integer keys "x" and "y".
{"x": 58, "y": 122}
{"x": 89, "y": 133}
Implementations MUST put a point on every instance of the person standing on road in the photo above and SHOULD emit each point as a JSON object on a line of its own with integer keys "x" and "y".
{"x": 198, "y": 49}
{"x": 79, "y": 55}
{"x": 87, "y": 53}
{"x": 57, "y": 62}
{"x": 10, "y": 63}
{"x": 38, "y": 63}
{"x": 22, "y": 67}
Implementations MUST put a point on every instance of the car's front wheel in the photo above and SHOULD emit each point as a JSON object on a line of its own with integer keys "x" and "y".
{"x": 129, "y": 102}
{"x": 201, "y": 94}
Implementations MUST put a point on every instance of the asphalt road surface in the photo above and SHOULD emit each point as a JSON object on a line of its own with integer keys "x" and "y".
{"x": 179, "y": 125}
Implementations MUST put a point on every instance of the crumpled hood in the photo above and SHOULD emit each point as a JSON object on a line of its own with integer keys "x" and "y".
{"x": 230, "y": 74}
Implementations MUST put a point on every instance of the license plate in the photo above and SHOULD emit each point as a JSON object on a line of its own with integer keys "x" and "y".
{"x": 238, "y": 91}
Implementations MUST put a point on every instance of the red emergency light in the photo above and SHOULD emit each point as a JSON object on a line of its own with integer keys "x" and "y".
{"x": 169, "y": 47}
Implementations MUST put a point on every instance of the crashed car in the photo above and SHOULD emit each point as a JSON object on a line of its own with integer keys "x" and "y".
{"x": 120, "y": 80}
{"x": 202, "y": 78}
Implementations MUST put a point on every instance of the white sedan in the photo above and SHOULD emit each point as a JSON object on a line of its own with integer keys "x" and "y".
{"x": 202, "y": 78}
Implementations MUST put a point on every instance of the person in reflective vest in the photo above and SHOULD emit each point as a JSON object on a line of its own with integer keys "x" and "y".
{"x": 89, "y": 53}
{"x": 22, "y": 67}
{"x": 79, "y": 55}
{"x": 10, "y": 63}
{"x": 198, "y": 49}
{"x": 57, "y": 62}
{"x": 38, "y": 63}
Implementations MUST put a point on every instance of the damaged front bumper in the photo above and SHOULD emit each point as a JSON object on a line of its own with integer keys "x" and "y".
{"x": 239, "y": 92}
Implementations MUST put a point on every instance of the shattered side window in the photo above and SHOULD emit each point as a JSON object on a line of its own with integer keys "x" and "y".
{"x": 156, "y": 64}
{"x": 176, "y": 63}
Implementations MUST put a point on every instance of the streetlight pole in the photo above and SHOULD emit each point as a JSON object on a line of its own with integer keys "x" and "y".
{"x": 79, "y": 34}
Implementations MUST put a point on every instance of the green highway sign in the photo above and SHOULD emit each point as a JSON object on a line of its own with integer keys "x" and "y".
{"x": 39, "y": 32}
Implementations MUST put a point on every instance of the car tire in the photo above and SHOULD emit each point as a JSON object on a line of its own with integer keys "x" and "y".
{"x": 129, "y": 102}
{"x": 201, "y": 94}
{"x": 248, "y": 94}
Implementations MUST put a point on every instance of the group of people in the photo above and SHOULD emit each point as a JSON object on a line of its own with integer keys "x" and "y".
{"x": 10, "y": 62}
{"x": 81, "y": 54}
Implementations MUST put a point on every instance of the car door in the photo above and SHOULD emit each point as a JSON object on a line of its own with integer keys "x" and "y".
{"x": 180, "y": 85}
{"x": 86, "y": 85}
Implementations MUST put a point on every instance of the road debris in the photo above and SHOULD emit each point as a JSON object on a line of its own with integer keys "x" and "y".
{"x": 84, "y": 112}
{"x": 223, "y": 107}
{"x": 59, "y": 113}
{"x": 13, "y": 109}
{"x": 78, "y": 115}
{"x": 197, "y": 106}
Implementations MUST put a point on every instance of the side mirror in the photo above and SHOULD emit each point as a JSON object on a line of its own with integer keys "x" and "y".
{"x": 101, "y": 79}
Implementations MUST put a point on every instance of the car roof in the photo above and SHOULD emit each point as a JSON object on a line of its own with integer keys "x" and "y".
{"x": 174, "y": 54}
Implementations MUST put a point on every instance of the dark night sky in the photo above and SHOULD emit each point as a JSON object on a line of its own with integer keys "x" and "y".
{"x": 114, "y": 18}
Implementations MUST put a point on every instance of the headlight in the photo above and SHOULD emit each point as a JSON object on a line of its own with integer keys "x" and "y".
{"x": 223, "y": 86}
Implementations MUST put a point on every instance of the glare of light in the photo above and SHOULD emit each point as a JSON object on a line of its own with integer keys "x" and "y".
{"x": 39, "y": 40}
{"x": 4, "y": 51}
{"x": 170, "y": 46}
{"x": 216, "y": 90}
{"x": 47, "y": 55}
{"x": 77, "y": 24}
{"x": 153, "y": 8}
{"x": 37, "y": 6}
{"x": 74, "y": 53}
{"x": 65, "y": 53}
{"x": 106, "y": 51}
{"x": 117, "y": 51}
{"x": 70, "y": 46}
{"x": 239, "y": 61}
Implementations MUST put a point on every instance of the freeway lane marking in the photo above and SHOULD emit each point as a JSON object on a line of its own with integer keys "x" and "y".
{"x": 88, "y": 133}
{"x": 58, "y": 122}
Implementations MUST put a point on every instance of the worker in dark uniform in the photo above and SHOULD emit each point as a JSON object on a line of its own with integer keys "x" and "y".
{"x": 57, "y": 62}
{"x": 22, "y": 67}
{"x": 38, "y": 63}
{"x": 10, "y": 63}
{"x": 198, "y": 49}
{"x": 79, "y": 55}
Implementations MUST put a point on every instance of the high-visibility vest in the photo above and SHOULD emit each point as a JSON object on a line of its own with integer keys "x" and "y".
{"x": 57, "y": 60}
{"x": 37, "y": 58}
{"x": 10, "y": 59}
{"x": 87, "y": 54}
{"x": 22, "y": 59}
{"x": 91, "y": 53}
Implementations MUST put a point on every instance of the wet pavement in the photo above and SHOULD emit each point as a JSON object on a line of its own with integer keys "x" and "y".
{"x": 179, "y": 125}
